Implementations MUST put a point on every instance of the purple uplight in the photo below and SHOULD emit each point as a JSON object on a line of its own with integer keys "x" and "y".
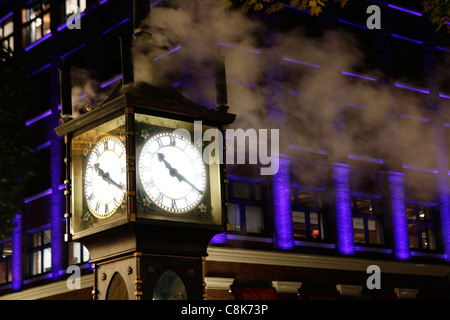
{"x": 405, "y": 166}
{"x": 39, "y": 195}
{"x": 220, "y": 238}
{"x": 17, "y": 253}
{"x": 404, "y": 86}
{"x": 6, "y": 17}
{"x": 405, "y": 10}
{"x": 240, "y": 48}
{"x": 405, "y": 38}
{"x": 443, "y": 95}
{"x": 167, "y": 53}
{"x": 72, "y": 51}
{"x": 115, "y": 26}
{"x": 358, "y": 76}
{"x": 38, "y": 117}
{"x": 282, "y": 210}
{"x": 301, "y": 62}
{"x": 366, "y": 159}
{"x": 399, "y": 219}
{"x": 344, "y": 217}
{"x": 111, "y": 81}
{"x": 39, "y": 41}
{"x": 352, "y": 24}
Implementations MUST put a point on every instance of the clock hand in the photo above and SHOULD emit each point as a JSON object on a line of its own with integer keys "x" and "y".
{"x": 174, "y": 172}
{"x": 106, "y": 177}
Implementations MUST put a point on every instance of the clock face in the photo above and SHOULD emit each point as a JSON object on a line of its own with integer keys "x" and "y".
{"x": 172, "y": 172}
{"x": 105, "y": 177}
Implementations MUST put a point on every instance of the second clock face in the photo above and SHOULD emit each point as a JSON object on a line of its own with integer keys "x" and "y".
{"x": 105, "y": 177}
{"x": 172, "y": 172}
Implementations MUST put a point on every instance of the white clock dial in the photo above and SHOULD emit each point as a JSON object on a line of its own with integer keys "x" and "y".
{"x": 105, "y": 177}
{"x": 172, "y": 172}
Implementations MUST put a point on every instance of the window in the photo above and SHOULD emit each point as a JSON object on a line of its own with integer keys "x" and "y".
{"x": 5, "y": 262}
{"x": 247, "y": 206}
{"x": 308, "y": 213}
{"x": 422, "y": 226}
{"x": 368, "y": 220}
{"x": 7, "y": 31}
{"x": 37, "y": 21}
{"x": 39, "y": 252}
{"x": 72, "y": 7}
{"x": 78, "y": 253}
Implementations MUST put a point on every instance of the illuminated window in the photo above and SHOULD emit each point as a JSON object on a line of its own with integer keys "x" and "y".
{"x": 308, "y": 214}
{"x": 7, "y": 31}
{"x": 368, "y": 220}
{"x": 5, "y": 262}
{"x": 247, "y": 206}
{"x": 78, "y": 253}
{"x": 39, "y": 252}
{"x": 422, "y": 226}
{"x": 37, "y": 21}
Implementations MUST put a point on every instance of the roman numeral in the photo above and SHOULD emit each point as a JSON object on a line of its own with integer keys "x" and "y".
{"x": 105, "y": 145}
{"x": 160, "y": 197}
{"x": 97, "y": 153}
{"x": 159, "y": 142}
{"x": 90, "y": 197}
{"x": 174, "y": 205}
{"x": 172, "y": 140}
{"x": 97, "y": 207}
{"x": 106, "y": 208}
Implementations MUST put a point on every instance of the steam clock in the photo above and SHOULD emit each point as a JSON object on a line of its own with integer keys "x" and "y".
{"x": 139, "y": 194}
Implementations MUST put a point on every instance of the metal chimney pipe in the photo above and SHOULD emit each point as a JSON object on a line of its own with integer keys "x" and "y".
{"x": 221, "y": 83}
{"x": 65, "y": 87}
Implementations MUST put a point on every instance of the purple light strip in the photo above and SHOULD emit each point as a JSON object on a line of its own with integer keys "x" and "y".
{"x": 44, "y": 145}
{"x": 155, "y": 3}
{"x": 367, "y": 159}
{"x": 352, "y": 24}
{"x": 405, "y": 38}
{"x": 307, "y": 149}
{"x": 282, "y": 210}
{"x": 219, "y": 238}
{"x": 399, "y": 219}
{"x": 442, "y": 49}
{"x": 37, "y": 42}
{"x": 301, "y": 62}
{"x": 291, "y": 7}
{"x": 404, "y": 86}
{"x": 113, "y": 27}
{"x": 443, "y": 95}
{"x": 240, "y": 48}
{"x": 64, "y": 25}
{"x": 420, "y": 169}
{"x": 415, "y": 118}
{"x": 39, "y": 117}
{"x": 405, "y": 10}
{"x": 72, "y": 51}
{"x": 369, "y": 249}
{"x": 4, "y": 18}
{"x": 344, "y": 217}
{"x": 39, "y": 195}
{"x": 111, "y": 81}
{"x": 103, "y": 1}
{"x": 167, "y": 53}
{"x": 17, "y": 253}
{"x": 40, "y": 69}
{"x": 358, "y": 76}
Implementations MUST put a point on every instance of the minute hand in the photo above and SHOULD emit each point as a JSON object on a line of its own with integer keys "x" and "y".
{"x": 174, "y": 172}
{"x": 106, "y": 176}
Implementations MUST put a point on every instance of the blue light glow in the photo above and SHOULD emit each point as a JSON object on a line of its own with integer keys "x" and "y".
{"x": 38, "y": 42}
{"x": 282, "y": 210}
{"x": 38, "y": 117}
{"x": 72, "y": 51}
{"x": 396, "y": 182}
{"x": 4, "y": 18}
{"x": 111, "y": 81}
{"x": 405, "y": 10}
{"x": 17, "y": 253}
{"x": 167, "y": 53}
{"x": 405, "y": 38}
{"x": 38, "y": 195}
{"x": 344, "y": 217}
{"x": 40, "y": 69}
{"x": 366, "y": 159}
{"x": 240, "y": 48}
{"x": 115, "y": 26}
{"x": 404, "y": 86}
{"x": 358, "y": 76}
{"x": 301, "y": 62}
{"x": 443, "y": 95}
{"x": 420, "y": 169}
{"x": 352, "y": 24}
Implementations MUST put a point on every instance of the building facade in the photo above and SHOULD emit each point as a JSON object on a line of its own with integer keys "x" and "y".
{"x": 360, "y": 183}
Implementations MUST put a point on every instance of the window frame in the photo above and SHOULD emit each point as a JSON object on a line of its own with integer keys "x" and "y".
{"x": 31, "y": 249}
{"x": 377, "y": 217}
{"x": 10, "y": 37}
{"x": 322, "y": 213}
{"x": 27, "y": 24}
{"x": 428, "y": 223}
{"x": 242, "y": 203}
{"x": 7, "y": 260}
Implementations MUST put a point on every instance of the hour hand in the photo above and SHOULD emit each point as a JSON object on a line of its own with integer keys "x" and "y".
{"x": 106, "y": 176}
{"x": 174, "y": 172}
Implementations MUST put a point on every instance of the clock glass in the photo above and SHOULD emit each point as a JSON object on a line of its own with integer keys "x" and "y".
{"x": 172, "y": 172}
{"x": 105, "y": 177}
